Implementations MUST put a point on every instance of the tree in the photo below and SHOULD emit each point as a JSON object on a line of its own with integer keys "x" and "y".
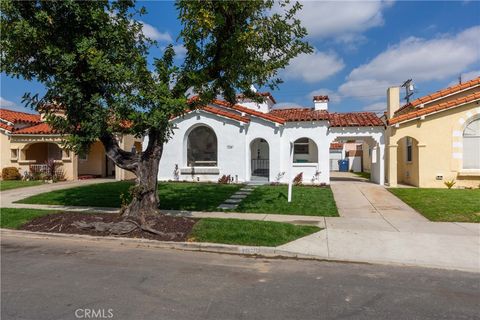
{"x": 92, "y": 58}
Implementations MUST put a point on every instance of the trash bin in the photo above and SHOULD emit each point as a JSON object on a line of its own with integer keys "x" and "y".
{"x": 343, "y": 165}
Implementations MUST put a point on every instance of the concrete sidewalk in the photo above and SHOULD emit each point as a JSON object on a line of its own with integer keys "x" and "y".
{"x": 374, "y": 226}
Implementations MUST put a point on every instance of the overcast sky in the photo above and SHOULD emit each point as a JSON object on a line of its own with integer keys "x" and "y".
{"x": 361, "y": 48}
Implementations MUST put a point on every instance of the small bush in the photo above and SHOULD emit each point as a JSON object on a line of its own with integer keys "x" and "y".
{"x": 449, "y": 183}
{"x": 225, "y": 179}
{"x": 297, "y": 181}
{"x": 11, "y": 173}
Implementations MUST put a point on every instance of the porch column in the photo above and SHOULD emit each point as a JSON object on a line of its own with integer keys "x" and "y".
{"x": 421, "y": 165}
{"x": 324, "y": 161}
{"x": 392, "y": 165}
{"x": 381, "y": 163}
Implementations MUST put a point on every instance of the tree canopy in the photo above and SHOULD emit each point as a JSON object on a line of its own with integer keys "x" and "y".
{"x": 92, "y": 57}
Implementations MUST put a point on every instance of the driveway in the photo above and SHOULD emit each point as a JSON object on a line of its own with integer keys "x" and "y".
{"x": 358, "y": 198}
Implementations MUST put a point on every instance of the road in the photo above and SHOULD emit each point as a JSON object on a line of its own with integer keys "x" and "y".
{"x": 67, "y": 279}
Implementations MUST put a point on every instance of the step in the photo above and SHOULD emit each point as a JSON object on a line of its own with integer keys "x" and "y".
{"x": 232, "y": 201}
{"x": 238, "y": 196}
{"x": 227, "y": 206}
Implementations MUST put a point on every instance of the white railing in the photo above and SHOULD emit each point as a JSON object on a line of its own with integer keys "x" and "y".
{"x": 40, "y": 168}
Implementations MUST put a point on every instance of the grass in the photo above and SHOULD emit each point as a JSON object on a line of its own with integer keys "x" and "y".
{"x": 455, "y": 205}
{"x": 307, "y": 201}
{"x": 228, "y": 231}
{"x": 247, "y": 232}
{"x": 13, "y": 218}
{"x": 14, "y": 184}
{"x": 365, "y": 175}
{"x": 173, "y": 195}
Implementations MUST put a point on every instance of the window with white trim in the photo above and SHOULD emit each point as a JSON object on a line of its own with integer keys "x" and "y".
{"x": 471, "y": 145}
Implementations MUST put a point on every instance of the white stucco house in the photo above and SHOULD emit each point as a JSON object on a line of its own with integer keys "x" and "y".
{"x": 253, "y": 141}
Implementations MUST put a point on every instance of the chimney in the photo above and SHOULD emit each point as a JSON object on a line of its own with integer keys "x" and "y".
{"x": 393, "y": 101}
{"x": 320, "y": 102}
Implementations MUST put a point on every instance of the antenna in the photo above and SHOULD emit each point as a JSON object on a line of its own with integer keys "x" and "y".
{"x": 460, "y": 78}
{"x": 409, "y": 89}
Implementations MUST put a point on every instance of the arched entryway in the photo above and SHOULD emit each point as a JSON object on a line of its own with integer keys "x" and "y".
{"x": 259, "y": 159}
{"x": 408, "y": 161}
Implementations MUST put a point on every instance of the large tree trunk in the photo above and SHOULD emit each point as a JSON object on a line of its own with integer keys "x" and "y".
{"x": 144, "y": 194}
{"x": 144, "y": 165}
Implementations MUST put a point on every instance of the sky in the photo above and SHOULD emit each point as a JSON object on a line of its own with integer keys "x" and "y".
{"x": 361, "y": 48}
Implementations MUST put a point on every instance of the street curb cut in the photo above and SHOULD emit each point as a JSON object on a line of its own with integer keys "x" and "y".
{"x": 270, "y": 252}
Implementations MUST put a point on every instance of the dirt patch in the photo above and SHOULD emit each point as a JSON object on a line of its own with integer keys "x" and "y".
{"x": 175, "y": 228}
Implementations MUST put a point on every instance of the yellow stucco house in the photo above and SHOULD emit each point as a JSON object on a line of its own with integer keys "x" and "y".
{"x": 28, "y": 142}
{"x": 435, "y": 138}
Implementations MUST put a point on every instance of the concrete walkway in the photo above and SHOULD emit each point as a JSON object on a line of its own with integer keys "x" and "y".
{"x": 374, "y": 226}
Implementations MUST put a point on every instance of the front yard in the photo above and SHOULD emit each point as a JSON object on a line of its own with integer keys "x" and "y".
{"x": 454, "y": 205}
{"x": 312, "y": 201}
{"x": 14, "y": 184}
{"x": 225, "y": 231}
{"x": 306, "y": 200}
{"x": 173, "y": 195}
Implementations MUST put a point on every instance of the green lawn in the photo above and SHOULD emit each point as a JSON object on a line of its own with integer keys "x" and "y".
{"x": 247, "y": 232}
{"x": 308, "y": 201}
{"x": 455, "y": 205}
{"x": 14, "y": 218}
{"x": 173, "y": 195}
{"x": 13, "y": 184}
{"x": 228, "y": 231}
{"x": 365, "y": 175}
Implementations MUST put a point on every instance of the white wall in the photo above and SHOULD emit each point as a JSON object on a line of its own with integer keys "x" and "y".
{"x": 234, "y": 148}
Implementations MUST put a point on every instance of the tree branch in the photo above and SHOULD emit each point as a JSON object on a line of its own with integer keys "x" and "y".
{"x": 124, "y": 159}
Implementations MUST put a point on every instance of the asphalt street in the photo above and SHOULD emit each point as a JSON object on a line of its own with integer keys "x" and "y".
{"x": 71, "y": 279}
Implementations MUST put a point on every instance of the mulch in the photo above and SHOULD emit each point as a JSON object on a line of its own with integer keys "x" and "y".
{"x": 63, "y": 223}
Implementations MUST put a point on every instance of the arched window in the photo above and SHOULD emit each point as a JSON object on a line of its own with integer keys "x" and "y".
{"x": 202, "y": 147}
{"x": 305, "y": 151}
{"x": 471, "y": 145}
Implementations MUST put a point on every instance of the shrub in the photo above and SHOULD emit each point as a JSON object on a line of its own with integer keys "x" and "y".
{"x": 450, "y": 183}
{"x": 297, "y": 181}
{"x": 11, "y": 173}
{"x": 225, "y": 179}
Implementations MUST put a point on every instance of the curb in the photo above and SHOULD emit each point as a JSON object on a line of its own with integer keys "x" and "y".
{"x": 270, "y": 252}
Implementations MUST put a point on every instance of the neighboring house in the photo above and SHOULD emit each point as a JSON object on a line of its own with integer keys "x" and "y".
{"x": 336, "y": 154}
{"x": 28, "y": 142}
{"x": 435, "y": 138}
{"x": 253, "y": 141}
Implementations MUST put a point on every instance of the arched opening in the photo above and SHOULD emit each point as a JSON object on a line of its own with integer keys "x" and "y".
{"x": 407, "y": 161}
{"x": 305, "y": 151}
{"x": 202, "y": 147}
{"x": 260, "y": 159}
{"x": 42, "y": 152}
{"x": 471, "y": 145}
{"x": 354, "y": 159}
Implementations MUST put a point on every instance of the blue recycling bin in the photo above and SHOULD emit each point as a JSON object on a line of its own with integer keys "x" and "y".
{"x": 343, "y": 165}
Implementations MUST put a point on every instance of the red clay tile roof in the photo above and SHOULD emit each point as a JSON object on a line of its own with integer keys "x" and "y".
{"x": 266, "y": 116}
{"x": 321, "y": 98}
{"x": 41, "y": 128}
{"x": 355, "y": 119}
{"x": 418, "y": 112}
{"x": 437, "y": 95}
{"x": 336, "y": 145}
{"x": 226, "y": 114}
{"x": 17, "y": 116}
{"x": 5, "y": 127}
{"x": 300, "y": 114}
